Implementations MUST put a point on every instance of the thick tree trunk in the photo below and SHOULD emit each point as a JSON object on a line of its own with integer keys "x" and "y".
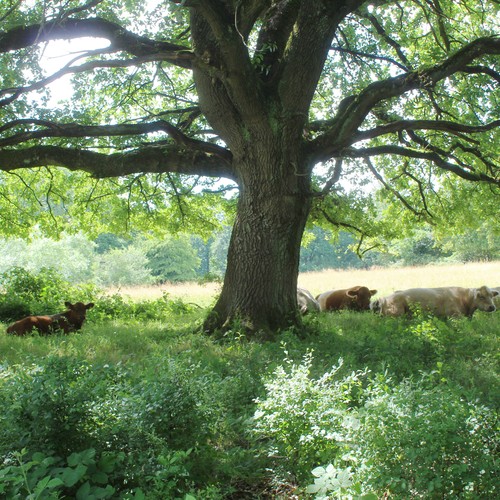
{"x": 260, "y": 285}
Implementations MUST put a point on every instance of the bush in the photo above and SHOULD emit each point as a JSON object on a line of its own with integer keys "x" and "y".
{"x": 415, "y": 439}
{"x": 421, "y": 440}
{"x": 46, "y": 408}
{"x": 150, "y": 425}
{"x": 24, "y": 292}
{"x": 82, "y": 475}
{"x": 301, "y": 418}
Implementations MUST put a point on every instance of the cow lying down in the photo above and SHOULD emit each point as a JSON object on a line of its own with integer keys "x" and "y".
{"x": 443, "y": 302}
{"x": 356, "y": 298}
{"x": 67, "y": 321}
{"x": 496, "y": 299}
{"x": 306, "y": 302}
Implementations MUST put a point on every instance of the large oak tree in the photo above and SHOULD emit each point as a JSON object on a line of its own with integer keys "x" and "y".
{"x": 285, "y": 98}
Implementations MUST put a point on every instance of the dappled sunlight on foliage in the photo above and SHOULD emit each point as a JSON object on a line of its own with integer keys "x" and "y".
{"x": 157, "y": 408}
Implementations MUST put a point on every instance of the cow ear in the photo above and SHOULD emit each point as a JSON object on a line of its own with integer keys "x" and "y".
{"x": 373, "y": 292}
{"x": 495, "y": 293}
{"x": 90, "y": 305}
{"x": 69, "y": 305}
{"x": 352, "y": 293}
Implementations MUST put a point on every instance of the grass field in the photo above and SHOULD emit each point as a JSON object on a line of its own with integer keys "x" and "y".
{"x": 142, "y": 405}
{"x": 385, "y": 280}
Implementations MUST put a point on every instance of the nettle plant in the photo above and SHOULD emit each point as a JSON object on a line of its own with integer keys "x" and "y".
{"x": 358, "y": 435}
{"x": 304, "y": 419}
{"x": 425, "y": 439}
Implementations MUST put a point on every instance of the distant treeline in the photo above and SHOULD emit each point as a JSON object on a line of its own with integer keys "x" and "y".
{"x": 114, "y": 260}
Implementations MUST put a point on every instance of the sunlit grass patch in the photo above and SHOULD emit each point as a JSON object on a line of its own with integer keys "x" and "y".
{"x": 386, "y": 280}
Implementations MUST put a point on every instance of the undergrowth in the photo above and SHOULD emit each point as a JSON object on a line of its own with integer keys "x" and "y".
{"x": 140, "y": 405}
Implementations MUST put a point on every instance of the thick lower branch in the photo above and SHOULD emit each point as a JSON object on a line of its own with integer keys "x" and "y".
{"x": 71, "y": 130}
{"x": 150, "y": 159}
{"x": 120, "y": 39}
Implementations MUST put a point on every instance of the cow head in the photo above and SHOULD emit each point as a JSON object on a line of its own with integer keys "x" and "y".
{"x": 76, "y": 313}
{"x": 483, "y": 299}
{"x": 360, "y": 296}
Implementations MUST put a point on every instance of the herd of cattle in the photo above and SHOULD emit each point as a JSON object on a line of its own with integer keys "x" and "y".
{"x": 444, "y": 302}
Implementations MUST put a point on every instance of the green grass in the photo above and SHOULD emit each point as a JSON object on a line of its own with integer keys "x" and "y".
{"x": 181, "y": 403}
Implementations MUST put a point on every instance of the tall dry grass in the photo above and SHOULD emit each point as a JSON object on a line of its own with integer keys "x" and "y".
{"x": 385, "y": 280}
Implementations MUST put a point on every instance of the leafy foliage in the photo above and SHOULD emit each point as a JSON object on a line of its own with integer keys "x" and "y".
{"x": 82, "y": 475}
{"x": 438, "y": 445}
{"x": 153, "y": 409}
{"x": 24, "y": 292}
{"x": 173, "y": 260}
{"x": 414, "y": 439}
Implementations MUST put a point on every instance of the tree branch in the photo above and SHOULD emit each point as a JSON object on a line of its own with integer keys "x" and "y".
{"x": 119, "y": 38}
{"x": 353, "y": 110}
{"x": 16, "y": 92}
{"x": 441, "y": 125}
{"x": 352, "y": 229}
{"x": 148, "y": 159}
{"x": 389, "y": 188}
{"x": 306, "y": 52}
{"x": 476, "y": 70}
{"x": 74, "y": 130}
{"x": 274, "y": 35}
{"x": 214, "y": 27}
{"x": 357, "y": 53}
{"x": 390, "y": 41}
{"x": 431, "y": 156}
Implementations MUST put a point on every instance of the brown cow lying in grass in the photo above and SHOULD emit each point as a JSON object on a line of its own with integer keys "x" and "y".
{"x": 67, "y": 321}
{"x": 356, "y": 298}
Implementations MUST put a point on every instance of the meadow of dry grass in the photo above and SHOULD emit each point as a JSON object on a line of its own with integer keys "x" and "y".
{"x": 385, "y": 280}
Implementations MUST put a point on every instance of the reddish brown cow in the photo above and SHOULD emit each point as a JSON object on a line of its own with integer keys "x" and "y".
{"x": 356, "y": 298}
{"x": 67, "y": 321}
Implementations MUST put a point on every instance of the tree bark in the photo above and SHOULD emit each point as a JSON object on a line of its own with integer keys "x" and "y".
{"x": 260, "y": 285}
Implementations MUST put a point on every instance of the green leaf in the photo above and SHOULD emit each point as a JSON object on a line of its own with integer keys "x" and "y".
{"x": 55, "y": 482}
{"x": 72, "y": 476}
{"x": 100, "y": 477}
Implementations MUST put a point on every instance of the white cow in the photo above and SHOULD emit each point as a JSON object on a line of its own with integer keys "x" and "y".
{"x": 496, "y": 299}
{"x": 444, "y": 302}
{"x": 306, "y": 301}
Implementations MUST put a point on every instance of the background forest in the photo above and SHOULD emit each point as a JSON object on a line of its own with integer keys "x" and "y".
{"x": 111, "y": 260}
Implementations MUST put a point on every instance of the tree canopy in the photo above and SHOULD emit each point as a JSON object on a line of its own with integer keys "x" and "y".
{"x": 300, "y": 104}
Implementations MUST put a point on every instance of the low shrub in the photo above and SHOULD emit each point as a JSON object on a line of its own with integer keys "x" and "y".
{"x": 24, "y": 292}
{"x": 47, "y": 407}
{"x": 301, "y": 418}
{"x": 421, "y": 440}
{"x": 364, "y": 434}
{"x": 81, "y": 475}
{"x": 158, "y": 424}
